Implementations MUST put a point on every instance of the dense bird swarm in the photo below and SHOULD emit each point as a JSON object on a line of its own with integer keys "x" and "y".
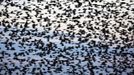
{"x": 67, "y": 37}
